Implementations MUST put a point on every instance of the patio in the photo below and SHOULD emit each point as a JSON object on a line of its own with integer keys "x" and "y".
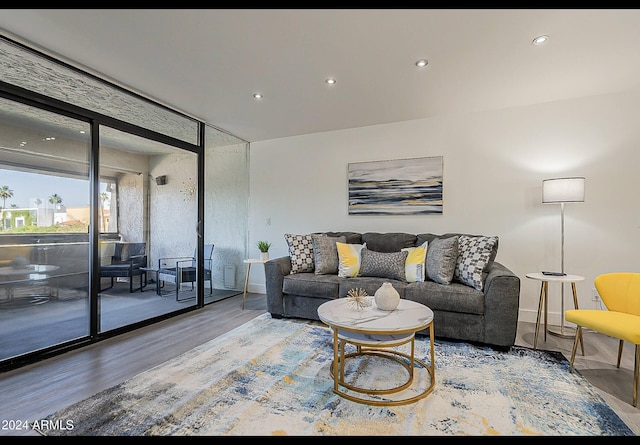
{"x": 64, "y": 315}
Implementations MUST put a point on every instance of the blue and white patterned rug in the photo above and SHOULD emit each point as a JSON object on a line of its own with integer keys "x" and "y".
{"x": 271, "y": 377}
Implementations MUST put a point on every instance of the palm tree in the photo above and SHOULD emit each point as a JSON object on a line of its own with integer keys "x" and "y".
{"x": 38, "y": 201}
{"x": 5, "y": 193}
{"x": 104, "y": 197}
{"x": 55, "y": 199}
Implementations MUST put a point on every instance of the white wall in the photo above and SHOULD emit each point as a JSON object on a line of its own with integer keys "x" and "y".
{"x": 494, "y": 164}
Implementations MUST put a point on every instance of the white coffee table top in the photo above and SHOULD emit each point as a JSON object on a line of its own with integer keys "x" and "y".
{"x": 408, "y": 317}
{"x": 31, "y": 269}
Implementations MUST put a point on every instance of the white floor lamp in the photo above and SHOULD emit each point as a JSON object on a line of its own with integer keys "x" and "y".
{"x": 561, "y": 191}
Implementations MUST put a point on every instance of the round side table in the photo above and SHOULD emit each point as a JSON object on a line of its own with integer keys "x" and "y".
{"x": 544, "y": 300}
{"x": 249, "y": 262}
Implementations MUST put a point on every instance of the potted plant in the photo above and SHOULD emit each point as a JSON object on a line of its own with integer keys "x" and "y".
{"x": 263, "y": 247}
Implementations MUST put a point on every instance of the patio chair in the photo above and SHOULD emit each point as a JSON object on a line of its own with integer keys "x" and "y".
{"x": 178, "y": 270}
{"x": 128, "y": 260}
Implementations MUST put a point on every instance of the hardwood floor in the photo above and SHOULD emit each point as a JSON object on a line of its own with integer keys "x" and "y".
{"x": 34, "y": 391}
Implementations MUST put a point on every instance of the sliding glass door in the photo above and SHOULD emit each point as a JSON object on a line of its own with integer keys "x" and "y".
{"x": 111, "y": 218}
{"x": 151, "y": 209}
{"x": 45, "y": 219}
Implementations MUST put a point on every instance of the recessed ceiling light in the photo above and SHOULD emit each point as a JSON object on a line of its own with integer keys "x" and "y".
{"x": 257, "y": 96}
{"x": 540, "y": 40}
{"x": 330, "y": 81}
{"x": 422, "y": 63}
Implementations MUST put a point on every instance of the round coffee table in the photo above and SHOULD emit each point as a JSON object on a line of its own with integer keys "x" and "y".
{"x": 12, "y": 277}
{"x": 375, "y": 332}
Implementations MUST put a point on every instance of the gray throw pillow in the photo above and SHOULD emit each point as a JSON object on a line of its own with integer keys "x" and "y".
{"x": 325, "y": 253}
{"x": 441, "y": 259}
{"x": 384, "y": 265}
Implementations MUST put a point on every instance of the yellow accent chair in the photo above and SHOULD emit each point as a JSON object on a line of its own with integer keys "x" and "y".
{"x": 620, "y": 293}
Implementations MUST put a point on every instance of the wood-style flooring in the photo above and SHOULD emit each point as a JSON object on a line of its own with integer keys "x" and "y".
{"x": 39, "y": 389}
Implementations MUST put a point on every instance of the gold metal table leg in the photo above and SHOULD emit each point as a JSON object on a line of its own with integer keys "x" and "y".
{"x": 246, "y": 282}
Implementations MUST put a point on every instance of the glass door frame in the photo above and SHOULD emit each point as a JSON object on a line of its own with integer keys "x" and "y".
{"x": 96, "y": 120}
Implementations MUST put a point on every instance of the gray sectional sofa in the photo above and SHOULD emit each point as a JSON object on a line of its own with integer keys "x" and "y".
{"x": 461, "y": 312}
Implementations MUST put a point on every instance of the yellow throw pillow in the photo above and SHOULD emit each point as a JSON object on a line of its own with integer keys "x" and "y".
{"x": 414, "y": 268}
{"x": 349, "y": 259}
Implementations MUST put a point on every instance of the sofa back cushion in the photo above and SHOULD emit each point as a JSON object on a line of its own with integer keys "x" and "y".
{"x": 350, "y": 237}
{"x": 388, "y": 242}
{"x": 428, "y": 237}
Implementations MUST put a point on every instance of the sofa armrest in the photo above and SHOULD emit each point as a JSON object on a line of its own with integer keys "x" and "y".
{"x": 502, "y": 303}
{"x": 275, "y": 271}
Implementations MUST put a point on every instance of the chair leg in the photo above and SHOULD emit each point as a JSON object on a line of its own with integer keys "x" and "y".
{"x": 620, "y": 345}
{"x": 575, "y": 347}
{"x": 131, "y": 289}
{"x": 636, "y": 373}
{"x": 108, "y": 287}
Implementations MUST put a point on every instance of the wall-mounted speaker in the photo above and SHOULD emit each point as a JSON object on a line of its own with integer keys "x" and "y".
{"x": 161, "y": 180}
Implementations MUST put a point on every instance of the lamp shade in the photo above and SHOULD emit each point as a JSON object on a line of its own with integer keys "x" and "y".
{"x": 561, "y": 190}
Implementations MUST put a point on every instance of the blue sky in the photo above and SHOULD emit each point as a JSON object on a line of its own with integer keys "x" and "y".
{"x": 27, "y": 186}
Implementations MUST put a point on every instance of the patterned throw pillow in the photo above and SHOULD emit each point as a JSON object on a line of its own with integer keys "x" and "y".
{"x": 415, "y": 267}
{"x": 300, "y": 252}
{"x": 349, "y": 259}
{"x": 384, "y": 265}
{"x": 325, "y": 253}
{"x": 475, "y": 253}
{"x": 441, "y": 259}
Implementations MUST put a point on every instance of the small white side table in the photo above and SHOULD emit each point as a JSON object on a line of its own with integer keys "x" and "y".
{"x": 249, "y": 262}
{"x": 544, "y": 299}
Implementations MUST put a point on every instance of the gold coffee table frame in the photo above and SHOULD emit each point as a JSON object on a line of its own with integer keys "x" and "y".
{"x": 378, "y": 342}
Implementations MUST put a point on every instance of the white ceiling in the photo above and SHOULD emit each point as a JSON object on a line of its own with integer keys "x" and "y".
{"x": 209, "y": 62}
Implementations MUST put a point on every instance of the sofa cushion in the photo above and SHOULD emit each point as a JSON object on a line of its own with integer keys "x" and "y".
{"x": 474, "y": 257}
{"x": 415, "y": 265}
{"x": 349, "y": 259}
{"x": 388, "y": 242}
{"x": 325, "y": 253}
{"x": 300, "y": 252}
{"x": 308, "y": 284}
{"x": 441, "y": 259}
{"x": 381, "y": 264}
{"x": 455, "y": 297}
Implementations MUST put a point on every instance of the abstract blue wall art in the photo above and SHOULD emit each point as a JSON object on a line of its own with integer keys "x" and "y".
{"x": 396, "y": 187}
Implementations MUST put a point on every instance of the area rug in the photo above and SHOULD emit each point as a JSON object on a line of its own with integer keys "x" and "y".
{"x": 271, "y": 377}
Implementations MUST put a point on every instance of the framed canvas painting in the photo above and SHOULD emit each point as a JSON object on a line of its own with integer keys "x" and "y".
{"x": 396, "y": 187}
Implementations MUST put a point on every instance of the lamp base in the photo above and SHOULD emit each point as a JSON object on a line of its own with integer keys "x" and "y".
{"x": 563, "y": 332}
